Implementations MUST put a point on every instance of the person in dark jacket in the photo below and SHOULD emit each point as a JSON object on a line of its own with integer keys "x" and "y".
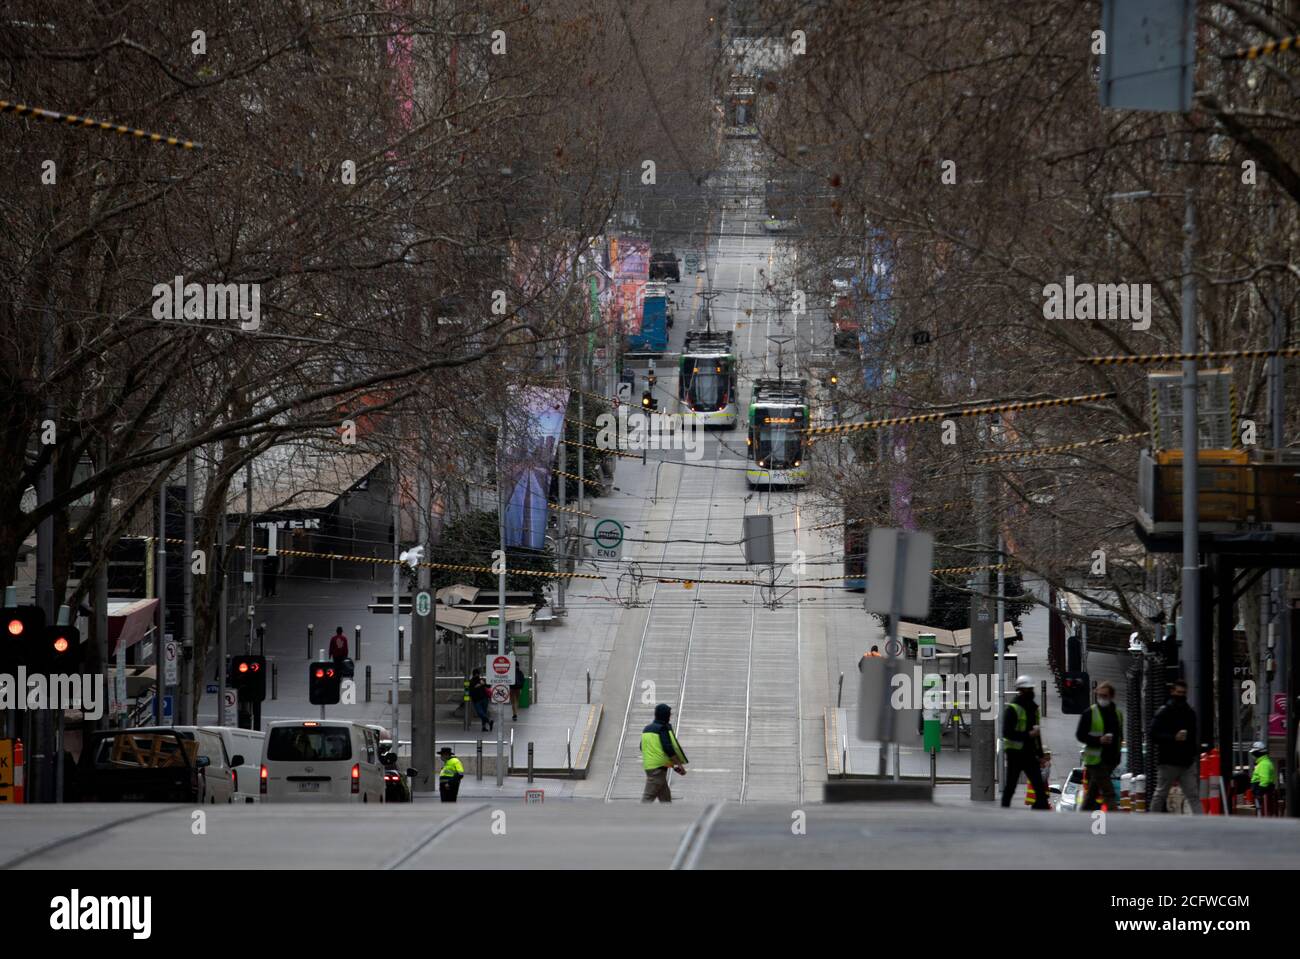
{"x": 1177, "y": 754}
{"x": 479, "y": 695}
{"x": 516, "y": 688}
{"x": 659, "y": 751}
{"x": 1101, "y": 730}
{"x": 1022, "y": 745}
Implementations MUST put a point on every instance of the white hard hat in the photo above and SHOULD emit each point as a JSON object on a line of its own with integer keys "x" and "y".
{"x": 1025, "y": 682}
{"x": 1259, "y": 747}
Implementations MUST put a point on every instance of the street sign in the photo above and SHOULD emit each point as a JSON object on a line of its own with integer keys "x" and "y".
{"x": 920, "y": 337}
{"x": 169, "y": 663}
{"x": 211, "y": 688}
{"x": 884, "y": 547}
{"x": 534, "y": 795}
{"x": 231, "y": 710}
{"x": 169, "y": 707}
{"x": 608, "y": 535}
{"x": 501, "y": 669}
{"x": 423, "y": 603}
{"x": 624, "y": 392}
{"x": 760, "y": 548}
{"x": 925, "y": 646}
{"x": 500, "y": 694}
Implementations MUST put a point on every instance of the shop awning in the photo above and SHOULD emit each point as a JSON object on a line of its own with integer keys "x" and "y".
{"x": 129, "y": 622}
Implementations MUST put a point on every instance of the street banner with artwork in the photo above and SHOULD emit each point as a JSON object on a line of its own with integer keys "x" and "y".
{"x": 533, "y": 432}
{"x": 630, "y": 262}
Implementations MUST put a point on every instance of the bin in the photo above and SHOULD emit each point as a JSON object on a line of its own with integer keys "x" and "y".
{"x": 524, "y": 693}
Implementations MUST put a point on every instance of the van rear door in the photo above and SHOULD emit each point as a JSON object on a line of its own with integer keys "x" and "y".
{"x": 309, "y": 761}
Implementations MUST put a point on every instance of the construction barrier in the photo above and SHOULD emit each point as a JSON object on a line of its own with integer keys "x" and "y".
{"x": 1140, "y": 793}
{"x": 19, "y": 761}
{"x": 1126, "y": 792}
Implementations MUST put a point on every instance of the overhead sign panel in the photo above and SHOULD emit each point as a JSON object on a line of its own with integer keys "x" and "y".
{"x": 1150, "y": 54}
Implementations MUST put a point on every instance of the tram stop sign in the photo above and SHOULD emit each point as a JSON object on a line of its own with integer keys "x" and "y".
{"x": 608, "y": 535}
{"x": 423, "y": 603}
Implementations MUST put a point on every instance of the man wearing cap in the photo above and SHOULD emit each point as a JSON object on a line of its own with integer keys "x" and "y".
{"x": 1022, "y": 744}
{"x": 659, "y": 751}
{"x": 452, "y": 773}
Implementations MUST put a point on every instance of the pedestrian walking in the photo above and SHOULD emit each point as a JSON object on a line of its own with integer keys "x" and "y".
{"x": 339, "y": 645}
{"x": 516, "y": 688}
{"x": 480, "y": 694}
{"x": 1178, "y": 759}
{"x": 1263, "y": 781}
{"x": 452, "y": 773}
{"x": 660, "y": 751}
{"x": 1022, "y": 744}
{"x": 1101, "y": 730}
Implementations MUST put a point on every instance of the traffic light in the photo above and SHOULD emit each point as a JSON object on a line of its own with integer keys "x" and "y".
{"x": 323, "y": 683}
{"x": 248, "y": 675}
{"x": 835, "y": 379}
{"x": 23, "y": 627}
{"x": 648, "y": 402}
{"x": 1076, "y": 690}
{"x": 59, "y": 650}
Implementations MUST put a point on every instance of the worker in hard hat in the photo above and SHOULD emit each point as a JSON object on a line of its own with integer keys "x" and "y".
{"x": 1263, "y": 781}
{"x": 1022, "y": 744}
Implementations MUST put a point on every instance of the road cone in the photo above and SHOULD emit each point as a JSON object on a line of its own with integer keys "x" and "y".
{"x": 1029, "y": 793}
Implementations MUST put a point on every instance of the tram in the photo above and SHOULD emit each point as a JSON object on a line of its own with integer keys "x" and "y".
{"x": 706, "y": 382}
{"x": 777, "y": 445}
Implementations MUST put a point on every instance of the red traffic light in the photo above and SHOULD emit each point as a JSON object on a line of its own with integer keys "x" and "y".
{"x": 320, "y": 673}
{"x": 15, "y": 627}
{"x": 243, "y": 667}
{"x": 61, "y": 644}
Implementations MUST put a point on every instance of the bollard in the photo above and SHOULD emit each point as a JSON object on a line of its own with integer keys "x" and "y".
{"x": 275, "y": 680}
{"x": 367, "y": 684}
{"x": 465, "y": 703}
{"x": 1139, "y": 793}
{"x": 479, "y": 774}
{"x": 530, "y": 763}
{"x": 588, "y": 692}
{"x": 310, "y": 630}
{"x": 358, "y": 640}
{"x": 401, "y": 644}
{"x": 533, "y": 689}
{"x": 1126, "y": 792}
{"x": 933, "y": 767}
{"x": 1042, "y": 703}
{"x": 839, "y": 697}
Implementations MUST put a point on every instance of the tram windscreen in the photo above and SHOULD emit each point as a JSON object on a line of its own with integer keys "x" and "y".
{"x": 780, "y": 444}
{"x": 708, "y": 391}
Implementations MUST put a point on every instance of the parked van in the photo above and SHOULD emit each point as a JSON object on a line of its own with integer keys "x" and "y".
{"x": 321, "y": 760}
{"x": 244, "y": 753}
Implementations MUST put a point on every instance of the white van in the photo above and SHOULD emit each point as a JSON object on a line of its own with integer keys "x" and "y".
{"x": 217, "y": 774}
{"x": 244, "y": 753}
{"x": 321, "y": 760}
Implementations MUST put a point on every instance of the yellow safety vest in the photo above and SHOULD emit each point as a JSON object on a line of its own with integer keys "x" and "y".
{"x": 1265, "y": 773}
{"x": 1092, "y": 754}
{"x": 451, "y": 768}
{"x": 1022, "y": 724}
{"x": 652, "y": 751}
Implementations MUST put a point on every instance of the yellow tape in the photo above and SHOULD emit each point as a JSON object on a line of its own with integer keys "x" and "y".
{"x": 1145, "y": 359}
{"x": 22, "y": 109}
{"x": 1061, "y": 448}
{"x": 953, "y": 414}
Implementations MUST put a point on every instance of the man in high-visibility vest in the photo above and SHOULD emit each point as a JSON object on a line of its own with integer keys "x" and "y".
{"x": 873, "y": 654}
{"x": 1101, "y": 730}
{"x": 452, "y": 773}
{"x": 1263, "y": 781}
{"x": 1022, "y": 744}
{"x": 660, "y": 751}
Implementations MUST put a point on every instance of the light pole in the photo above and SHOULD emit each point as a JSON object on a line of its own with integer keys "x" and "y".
{"x": 1190, "y": 631}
